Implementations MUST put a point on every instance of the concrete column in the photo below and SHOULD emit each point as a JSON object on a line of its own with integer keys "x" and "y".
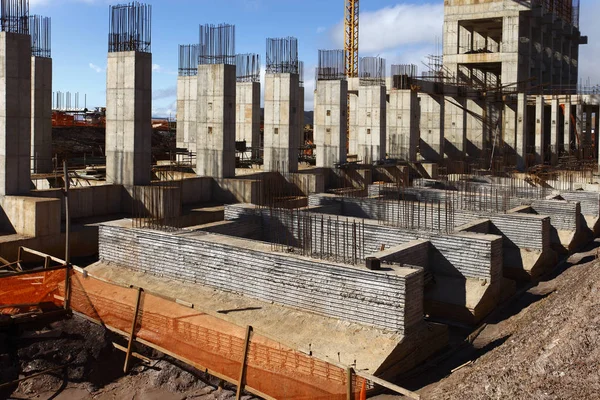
{"x": 588, "y": 125}
{"x": 247, "y": 114}
{"x": 431, "y": 144}
{"x": 41, "y": 114}
{"x": 403, "y": 125}
{"x": 476, "y": 131}
{"x": 372, "y": 120}
{"x": 539, "y": 129}
{"x": 15, "y": 114}
{"x": 353, "y": 86}
{"x": 455, "y": 128}
{"x": 579, "y": 125}
{"x": 187, "y": 98}
{"x": 554, "y": 130}
{"x": 129, "y": 118}
{"x": 509, "y": 131}
{"x": 281, "y": 123}
{"x": 568, "y": 125}
{"x": 331, "y": 104}
{"x": 521, "y": 134}
{"x": 300, "y": 114}
{"x": 215, "y": 140}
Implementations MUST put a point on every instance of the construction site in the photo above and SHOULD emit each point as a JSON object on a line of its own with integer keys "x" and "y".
{"x": 434, "y": 238}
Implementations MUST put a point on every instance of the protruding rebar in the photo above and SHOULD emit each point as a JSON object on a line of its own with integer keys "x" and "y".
{"x": 282, "y": 55}
{"x": 14, "y": 16}
{"x": 130, "y": 28}
{"x": 188, "y": 59}
{"x": 40, "y": 31}
{"x": 217, "y": 44}
{"x": 247, "y": 67}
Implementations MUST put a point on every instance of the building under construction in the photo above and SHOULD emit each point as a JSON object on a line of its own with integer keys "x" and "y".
{"x": 432, "y": 198}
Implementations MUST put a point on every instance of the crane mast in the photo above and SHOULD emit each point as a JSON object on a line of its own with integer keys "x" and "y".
{"x": 351, "y": 37}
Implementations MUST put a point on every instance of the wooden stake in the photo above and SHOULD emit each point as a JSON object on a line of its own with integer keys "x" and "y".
{"x": 67, "y": 239}
{"x": 349, "y": 374}
{"x": 241, "y": 382}
{"x": 132, "y": 335}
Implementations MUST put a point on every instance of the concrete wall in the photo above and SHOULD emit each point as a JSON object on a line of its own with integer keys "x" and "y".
{"x": 187, "y": 99}
{"x": 431, "y": 144}
{"x": 330, "y": 122}
{"x": 129, "y": 118}
{"x": 30, "y": 216}
{"x": 41, "y": 115}
{"x": 216, "y": 121}
{"x": 15, "y": 113}
{"x": 372, "y": 120}
{"x": 354, "y": 294}
{"x": 281, "y": 123}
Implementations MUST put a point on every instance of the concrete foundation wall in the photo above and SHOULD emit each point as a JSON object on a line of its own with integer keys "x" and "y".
{"x": 129, "y": 118}
{"x": 281, "y": 123}
{"x": 41, "y": 115}
{"x": 431, "y": 144}
{"x": 30, "y": 216}
{"x": 15, "y": 114}
{"x": 372, "y": 298}
{"x": 216, "y": 121}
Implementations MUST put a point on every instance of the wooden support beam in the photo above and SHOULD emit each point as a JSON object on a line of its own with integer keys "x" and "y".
{"x": 132, "y": 335}
{"x": 133, "y": 354}
{"x": 390, "y": 386}
{"x": 241, "y": 382}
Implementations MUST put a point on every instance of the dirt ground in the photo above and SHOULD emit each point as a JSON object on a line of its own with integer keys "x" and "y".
{"x": 94, "y": 368}
{"x": 543, "y": 345}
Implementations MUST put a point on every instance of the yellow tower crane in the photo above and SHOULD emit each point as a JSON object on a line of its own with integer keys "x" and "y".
{"x": 351, "y": 50}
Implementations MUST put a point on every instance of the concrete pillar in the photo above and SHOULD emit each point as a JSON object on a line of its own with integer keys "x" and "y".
{"x": 554, "y": 130}
{"x": 215, "y": 140}
{"x": 521, "y": 134}
{"x": 587, "y": 109}
{"x": 455, "y": 129}
{"x": 15, "y": 114}
{"x": 539, "y": 129}
{"x": 331, "y": 104}
{"x": 372, "y": 119}
{"x": 568, "y": 125}
{"x": 353, "y": 86}
{"x": 41, "y": 114}
{"x": 431, "y": 144}
{"x": 403, "y": 125}
{"x": 579, "y": 125}
{"x": 476, "y": 131}
{"x": 300, "y": 114}
{"x": 187, "y": 98}
{"x": 129, "y": 118}
{"x": 247, "y": 114}
{"x": 281, "y": 123}
{"x": 509, "y": 131}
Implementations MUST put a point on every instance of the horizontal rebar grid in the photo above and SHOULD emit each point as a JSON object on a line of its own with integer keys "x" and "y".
{"x": 331, "y": 65}
{"x": 247, "y": 67}
{"x": 130, "y": 28}
{"x": 14, "y": 15}
{"x": 409, "y": 70}
{"x": 217, "y": 44}
{"x": 40, "y": 30}
{"x": 188, "y": 59}
{"x": 372, "y": 71}
{"x": 282, "y": 55}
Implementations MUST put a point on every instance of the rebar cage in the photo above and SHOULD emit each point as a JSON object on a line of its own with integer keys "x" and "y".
{"x": 188, "y": 59}
{"x": 217, "y": 44}
{"x": 247, "y": 67}
{"x": 40, "y": 30}
{"x": 130, "y": 28}
{"x": 282, "y": 55}
{"x": 14, "y": 16}
{"x": 331, "y": 65}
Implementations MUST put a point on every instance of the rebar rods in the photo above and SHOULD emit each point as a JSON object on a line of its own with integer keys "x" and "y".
{"x": 217, "y": 44}
{"x": 282, "y": 55}
{"x": 409, "y": 70}
{"x": 40, "y": 31}
{"x": 14, "y": 16}
{"x": 247, "y": 67}
{"x": 372, "y": 71}
{"x": 331, "y": 65}
{"x": 130, "y": 28}
{"x": 188, "y": 59}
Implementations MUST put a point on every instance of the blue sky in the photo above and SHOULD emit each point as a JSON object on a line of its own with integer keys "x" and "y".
{"x": 400, "y": 31}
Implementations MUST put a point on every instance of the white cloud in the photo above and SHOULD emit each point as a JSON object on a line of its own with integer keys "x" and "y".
{"x": 97, "y": 68}
{"x": 392, "y": 27}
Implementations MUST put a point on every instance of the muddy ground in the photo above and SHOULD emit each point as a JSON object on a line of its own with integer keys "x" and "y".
{"x": 94, "y": 368}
